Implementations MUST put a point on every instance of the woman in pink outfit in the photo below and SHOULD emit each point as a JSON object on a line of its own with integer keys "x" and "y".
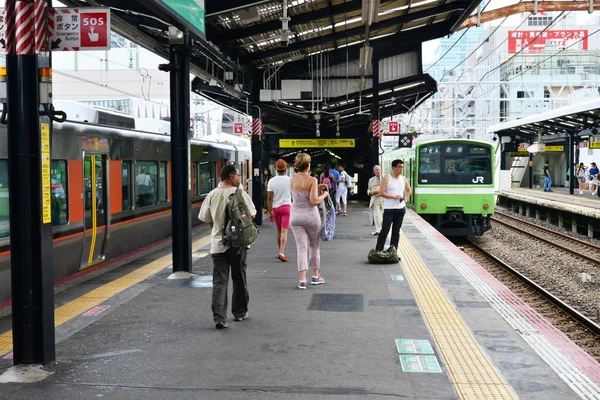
{"x": 305, "y": 221}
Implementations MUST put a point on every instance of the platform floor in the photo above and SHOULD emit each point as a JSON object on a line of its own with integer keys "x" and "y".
{"x": 462, "y": 335}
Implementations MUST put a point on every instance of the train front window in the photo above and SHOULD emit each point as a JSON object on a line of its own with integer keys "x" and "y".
{"x": 429, "y": 159}
{"x": 466, "y": 159}
{"x": 60, "y": 205}
{"x": 4, "y": 212}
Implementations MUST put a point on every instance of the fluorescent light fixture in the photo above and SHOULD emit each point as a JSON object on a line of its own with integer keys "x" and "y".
{"x": 408, "y": 86}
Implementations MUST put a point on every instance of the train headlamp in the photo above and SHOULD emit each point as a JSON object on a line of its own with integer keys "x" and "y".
{"x": 486, "y": 206}
{"x": 423, "y": 206}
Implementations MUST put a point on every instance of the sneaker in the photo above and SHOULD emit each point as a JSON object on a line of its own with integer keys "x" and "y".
{"x": 317, "y": 280}
{"x": 221, "y": 325}
{"x": 338, "y": 212}
{"x": 581, "y": 192}
{"x": 302, "y": 285}
{"x": 345, "y": 215}
{"x": 243, "y": 317}
{"x": 375, "y": 233}
{"x": 593, "y": 193}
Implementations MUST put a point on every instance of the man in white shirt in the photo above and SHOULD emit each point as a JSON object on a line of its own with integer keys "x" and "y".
{"x": 376, "y": 203}
{"x": 342, "y": 190}
{"x": 225, "y": 257}
{"x": 279, "y": 204}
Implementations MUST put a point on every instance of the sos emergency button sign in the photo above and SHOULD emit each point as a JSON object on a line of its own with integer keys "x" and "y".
{"x": 73, "y": 29}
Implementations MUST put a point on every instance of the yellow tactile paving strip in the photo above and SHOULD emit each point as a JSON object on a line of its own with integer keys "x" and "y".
{"x": 471, "y": 371}
{"x": 91, "y": 299}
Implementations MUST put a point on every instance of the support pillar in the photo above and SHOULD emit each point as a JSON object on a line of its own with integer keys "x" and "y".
{"x": 257, "y": 153}
{"x": 374, "y": 142}
{"x": 29, "y": 157}
{"x": 528, "y": 211}
{"x": 520, "y": 208}
{"x": 530, "y": 171}
{"x": 573, "y": 224}
{"x": 590, "y": 230}
{"x": 181, "y": 216}
{"x": 561, "y": 220}
{"x": 571, "y": 164}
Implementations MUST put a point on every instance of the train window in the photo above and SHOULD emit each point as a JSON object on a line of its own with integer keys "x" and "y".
{"x": 4, "y": 212}
{"x": 145, "y": 183}
{"x": 60, "y": 204}
{"x": 204, "y": 177}
{"x": 126, "y": 185}
{"x": 196, "y": 179}
{"x": 467, "y": 159}
{"x": 429, "y": 159}
{"x": 162, "y": 184}
{"x": 98, "y": 171}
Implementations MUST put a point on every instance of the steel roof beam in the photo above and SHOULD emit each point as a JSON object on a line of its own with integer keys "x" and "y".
{"x": 358, "y": 31}
{"x": 297, "y": 19}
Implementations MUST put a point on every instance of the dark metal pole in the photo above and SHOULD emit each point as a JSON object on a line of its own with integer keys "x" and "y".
{"x": 180, "y": 157}
{"x": 257, "y": 153}
{"x": 571, "y": 166}
{"x": 30, "y": 208}
{"x": 373, "y": 141}
{"x": 530, "y": 166}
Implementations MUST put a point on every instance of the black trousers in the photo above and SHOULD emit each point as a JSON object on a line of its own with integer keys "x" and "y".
{"x": 391, "y": 218}
{"x": 222, "y": 262}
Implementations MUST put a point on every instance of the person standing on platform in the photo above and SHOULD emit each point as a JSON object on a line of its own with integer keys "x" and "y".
{"x": 279, "y": 205}
{"x": 593, "y": 177}
{"x": 547, "y": 178}
{"x": 225, "y": 257}
{"x": 305, "y": 220}
{"x": 394, "y": 189}
{"x": 581, "y": 176}
{"x": 334, "y": 175}
{"x": 376, "y": 202}
{"x": 341, "y": 195}
{"x": 266, "y": 178}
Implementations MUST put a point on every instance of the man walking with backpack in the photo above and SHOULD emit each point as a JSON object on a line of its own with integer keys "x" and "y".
{"x": 227, "y": 252}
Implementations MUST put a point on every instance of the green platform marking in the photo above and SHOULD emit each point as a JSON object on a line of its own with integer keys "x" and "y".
{"x": 427, "y": 364}
{"x": 398, "y": 278}
{"x": 411, "y": 346}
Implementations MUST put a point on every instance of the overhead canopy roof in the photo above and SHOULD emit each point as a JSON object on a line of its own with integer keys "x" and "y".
{"x": 245, "y": 37}
{"x": 576, "y": 119}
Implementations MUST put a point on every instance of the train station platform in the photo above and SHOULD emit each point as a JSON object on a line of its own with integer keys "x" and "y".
{"x": 579, "y": 212}
{"x": 435, "y": 326}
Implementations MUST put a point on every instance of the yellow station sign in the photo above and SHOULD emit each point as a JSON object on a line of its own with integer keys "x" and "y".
{"x": 595, "y": 142}
{"x": 551, "y": 149}
{"x": 316, "y": 143}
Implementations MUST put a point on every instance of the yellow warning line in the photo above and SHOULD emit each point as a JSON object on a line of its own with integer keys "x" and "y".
{"x": 80, "y": 305}
{"x": 473, "y": 374}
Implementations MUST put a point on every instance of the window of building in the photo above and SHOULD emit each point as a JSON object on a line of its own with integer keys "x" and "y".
{"x": 60, "y": 190}
{"x": 4, "y": 211}
{"x": 126, "y": 185}
{"x": 524, "y": 94}
{"x": 163, "y": 182}
{"x": 146, "y": 183}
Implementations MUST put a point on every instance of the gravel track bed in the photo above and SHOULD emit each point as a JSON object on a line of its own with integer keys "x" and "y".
{"x": 551, "y": 268}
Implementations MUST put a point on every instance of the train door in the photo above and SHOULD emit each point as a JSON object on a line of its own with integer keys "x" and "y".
{"x": 96, "y": 208}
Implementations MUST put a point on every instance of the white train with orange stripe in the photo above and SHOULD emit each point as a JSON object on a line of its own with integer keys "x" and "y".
{"x": 111, "y": 186}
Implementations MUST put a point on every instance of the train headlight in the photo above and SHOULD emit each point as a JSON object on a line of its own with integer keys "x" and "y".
{"x": 423, "y": 206}
{"x": 486, "y": 206}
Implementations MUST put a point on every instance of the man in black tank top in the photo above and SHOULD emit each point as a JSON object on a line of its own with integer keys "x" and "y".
{"x": 394, "y": 206}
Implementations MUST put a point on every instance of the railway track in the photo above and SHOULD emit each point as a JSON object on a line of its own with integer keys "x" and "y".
{"x": 584, "y": 250}
{"x": 579, "y": 328}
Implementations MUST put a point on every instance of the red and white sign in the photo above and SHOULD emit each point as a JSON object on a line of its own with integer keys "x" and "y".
{"x": 256, "y": 126}
{"x": 376, "y": 125}
{"x": 238, "y": 128}
{"x": 529, "y": 42}
{"x": 73, "y": 29}
{"x": 393, "y": 127}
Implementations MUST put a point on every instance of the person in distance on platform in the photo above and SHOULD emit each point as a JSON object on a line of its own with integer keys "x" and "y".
{"x": 376, "y": 202}
{"x": 342, "y": 190}
{"x": 279, "y": 205}
{"x": 593, "y": 178}
{"x": 305, "y": 220}
{"x": 581, "y": 177}
{"x": 394, "y": 189}
{"x": 225, "y": 257}
{"x": 266, "y": 178}
{"x": 547, "y": 178}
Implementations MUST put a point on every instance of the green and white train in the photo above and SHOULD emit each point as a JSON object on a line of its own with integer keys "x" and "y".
{"x": 453, "y": 183}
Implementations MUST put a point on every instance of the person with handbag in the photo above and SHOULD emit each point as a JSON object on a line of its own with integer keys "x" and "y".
{"x": 213, "y": 212}
{"x": 376, "y": 202}
{"x": 279, "y": 204}
{"x": 305, "y": 221}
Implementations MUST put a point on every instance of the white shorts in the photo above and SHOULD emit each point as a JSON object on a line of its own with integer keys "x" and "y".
{"x": 341, "y": 194}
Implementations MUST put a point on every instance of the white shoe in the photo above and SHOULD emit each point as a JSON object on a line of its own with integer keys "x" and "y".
{"x": 593, "y": 193}
{"x": 581, "y": 192}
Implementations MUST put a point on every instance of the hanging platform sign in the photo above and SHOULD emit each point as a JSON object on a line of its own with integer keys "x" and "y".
{"x": 192, "y": 11}
{"x": 73, "y": 29}
{"x": 595, "y": 142}
{"x": 316, "y": 143}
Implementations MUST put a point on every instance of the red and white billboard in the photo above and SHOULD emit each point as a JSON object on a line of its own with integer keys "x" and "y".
{"x": 530, "y": 43}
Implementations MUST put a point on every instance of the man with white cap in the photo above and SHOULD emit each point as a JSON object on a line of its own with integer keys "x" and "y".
{"x": 279, "y": 204}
